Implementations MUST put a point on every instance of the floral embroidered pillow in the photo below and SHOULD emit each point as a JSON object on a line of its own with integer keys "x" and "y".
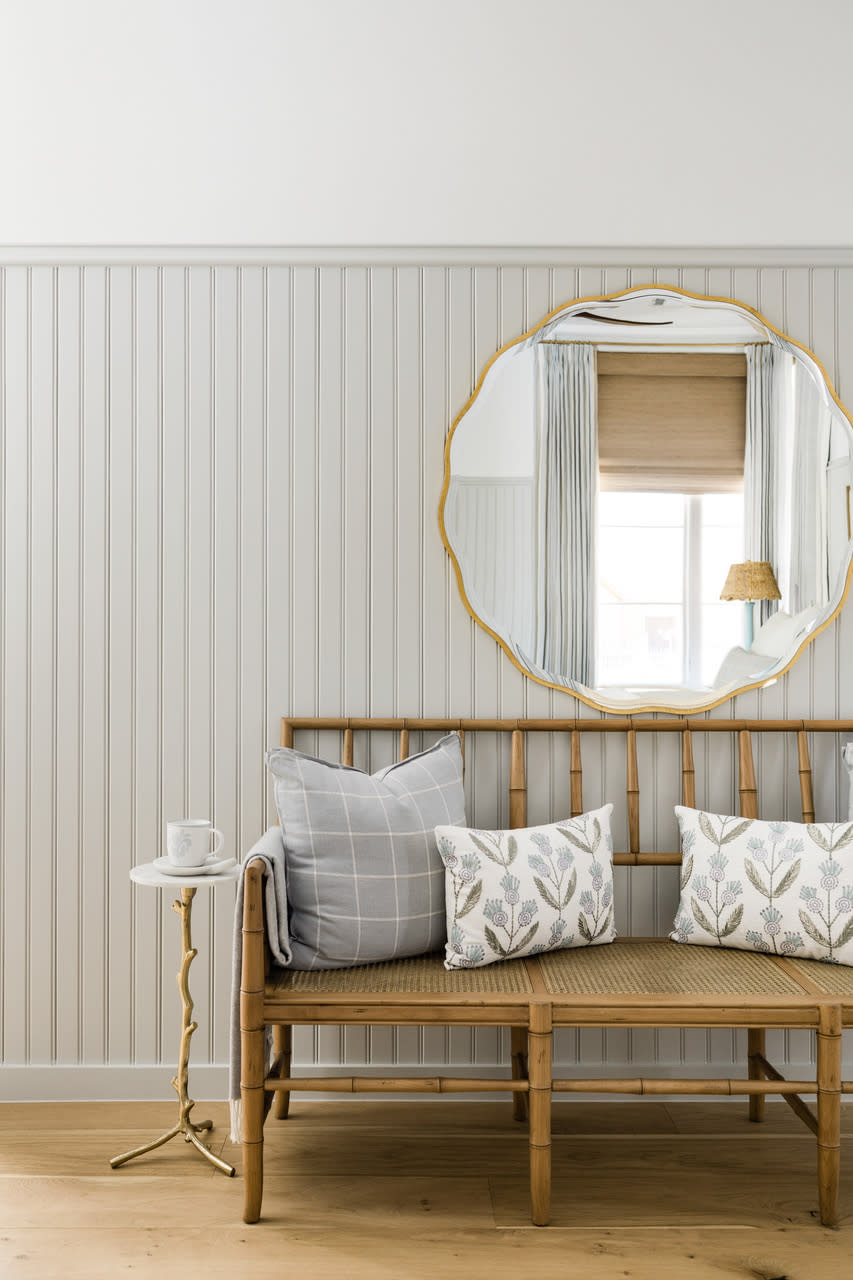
{"x": 516, "y": 893}
{"x": 778, "y": 887}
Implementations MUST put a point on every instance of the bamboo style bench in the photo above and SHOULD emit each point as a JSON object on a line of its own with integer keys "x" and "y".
{"x": 634, "y": 982}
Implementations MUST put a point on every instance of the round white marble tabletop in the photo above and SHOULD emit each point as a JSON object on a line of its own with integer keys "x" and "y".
{"x": 149, "y": 873}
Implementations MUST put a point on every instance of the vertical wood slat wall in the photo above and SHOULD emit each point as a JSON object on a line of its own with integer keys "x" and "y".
{"x": 219, "y": 504}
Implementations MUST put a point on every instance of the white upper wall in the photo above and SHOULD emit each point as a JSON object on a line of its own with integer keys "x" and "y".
{"x": 452, "y": 122}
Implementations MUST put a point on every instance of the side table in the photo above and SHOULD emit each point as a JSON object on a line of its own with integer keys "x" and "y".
{"x": 149, "y": 874}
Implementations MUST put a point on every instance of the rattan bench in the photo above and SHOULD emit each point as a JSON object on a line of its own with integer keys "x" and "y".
{"x": 635, "y": 982}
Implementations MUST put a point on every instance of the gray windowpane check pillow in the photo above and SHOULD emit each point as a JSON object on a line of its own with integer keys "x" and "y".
{"x": 364, "y": 879}
{"x": 780, "y": 887}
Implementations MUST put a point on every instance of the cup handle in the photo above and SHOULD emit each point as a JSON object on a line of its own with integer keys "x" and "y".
{"x": 220, "y": 840}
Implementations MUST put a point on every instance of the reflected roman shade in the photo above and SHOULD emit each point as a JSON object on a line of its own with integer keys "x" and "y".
{"x": 671, "y": 422}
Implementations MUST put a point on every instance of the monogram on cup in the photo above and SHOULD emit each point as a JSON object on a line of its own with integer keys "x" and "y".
{"x": 188, "y": 841}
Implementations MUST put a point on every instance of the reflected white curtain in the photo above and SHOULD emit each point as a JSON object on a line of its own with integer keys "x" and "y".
{"x": 807, "y": 517}
{"x": 761, "y": 515}
{"x": 788, "y": 428}
{"x": 567, "y": 495}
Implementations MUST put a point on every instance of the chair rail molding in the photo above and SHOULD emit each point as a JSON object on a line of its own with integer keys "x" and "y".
{"x": 426, "y": 255}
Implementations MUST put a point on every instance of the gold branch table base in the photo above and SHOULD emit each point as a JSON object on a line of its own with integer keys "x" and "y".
{"x": 185, "y": 1127}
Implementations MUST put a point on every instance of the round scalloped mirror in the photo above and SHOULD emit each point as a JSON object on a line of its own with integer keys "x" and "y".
{"x": 647, "y": 500}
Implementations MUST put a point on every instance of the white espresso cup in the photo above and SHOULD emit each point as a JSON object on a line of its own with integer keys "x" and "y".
{"x": 188, "y": 842}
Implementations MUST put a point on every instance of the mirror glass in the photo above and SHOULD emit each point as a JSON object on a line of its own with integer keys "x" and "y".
{"x": 625, "y": 464}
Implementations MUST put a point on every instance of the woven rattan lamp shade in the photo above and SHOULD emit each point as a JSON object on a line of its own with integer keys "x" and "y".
{"x": 752, "y": 580}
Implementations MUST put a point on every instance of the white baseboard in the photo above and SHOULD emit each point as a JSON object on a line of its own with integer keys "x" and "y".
{"x": 210, "y": 1082}
{"x": 107, "y": 1083}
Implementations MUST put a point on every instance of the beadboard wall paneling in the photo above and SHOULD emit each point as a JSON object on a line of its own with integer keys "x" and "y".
{"x": 220, "y": 487}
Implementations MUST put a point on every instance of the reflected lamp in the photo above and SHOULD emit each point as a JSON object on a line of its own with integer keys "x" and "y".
{"x": 753, "y": 580}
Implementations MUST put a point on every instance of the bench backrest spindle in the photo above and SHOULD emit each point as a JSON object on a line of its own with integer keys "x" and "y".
{"x": 688, "y": 771}
{"x": 746, "y": 776}
{"x": 805, "y": 767}
{"x": 517, "y": 782}
{"x": 633, "y": 793}
{"x": 576, "y": 774}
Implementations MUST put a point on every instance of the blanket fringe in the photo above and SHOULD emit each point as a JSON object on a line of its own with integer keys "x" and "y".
{"x": 236, "y": 1134}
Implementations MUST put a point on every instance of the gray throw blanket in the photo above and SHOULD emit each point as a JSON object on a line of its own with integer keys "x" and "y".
{"x": 270, "y": 849}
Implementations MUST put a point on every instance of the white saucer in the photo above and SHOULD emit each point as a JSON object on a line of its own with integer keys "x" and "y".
{"x": 208, "y": 868}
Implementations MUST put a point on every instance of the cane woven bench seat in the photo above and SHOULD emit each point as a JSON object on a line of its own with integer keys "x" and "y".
{"x": 651, "y": 967}
{"x": 633, "y": 982}
{"x": 414, "y": 975}
{"x": 831, "y": 979}
{"x": 632, "y": 966}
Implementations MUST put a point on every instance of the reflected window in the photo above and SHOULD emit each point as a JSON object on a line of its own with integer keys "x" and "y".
{"x": 662, "y": 559}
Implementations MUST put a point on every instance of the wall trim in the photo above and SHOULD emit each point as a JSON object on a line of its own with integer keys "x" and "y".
{"x": 427, "y": 255}
{"x": 107, "y": 1083}
{"x": 210, "y": 1082}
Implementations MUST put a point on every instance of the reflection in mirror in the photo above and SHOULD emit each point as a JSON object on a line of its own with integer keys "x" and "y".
{"x": 612, "y": 467}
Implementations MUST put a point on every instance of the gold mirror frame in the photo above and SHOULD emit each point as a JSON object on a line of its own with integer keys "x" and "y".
{"x": 552, "y": 315}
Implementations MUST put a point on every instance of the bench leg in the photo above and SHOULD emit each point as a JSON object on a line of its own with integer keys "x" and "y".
{"x": 253, "y": 1054}
{"x": 253, "y": 1153}
{"x": 518, "y": 1055}
{"x": 282, "y": 1041}
{"x": 756, "y": 1043}
{"x": 829, "y": 1113}
{"x": 540, "y": 1114}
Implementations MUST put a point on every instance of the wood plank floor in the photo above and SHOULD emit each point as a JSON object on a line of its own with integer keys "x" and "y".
{"x": 418, "y": 1190}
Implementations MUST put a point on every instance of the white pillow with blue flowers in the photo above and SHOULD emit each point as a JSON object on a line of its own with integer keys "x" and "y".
{"x": 517, "y": 893}
{"x": 780, "y": 887}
